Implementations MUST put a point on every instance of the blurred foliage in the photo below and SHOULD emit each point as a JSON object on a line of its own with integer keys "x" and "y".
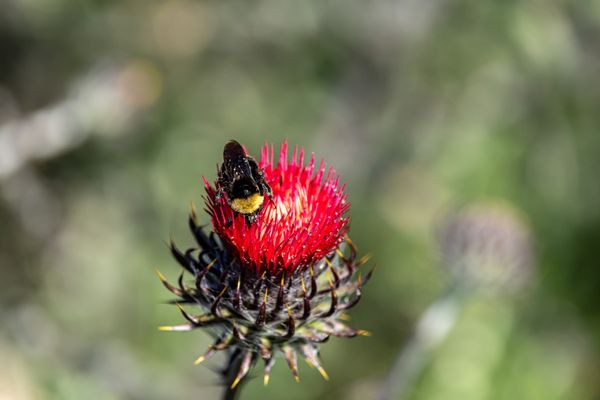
{"x": 111, "y": 111}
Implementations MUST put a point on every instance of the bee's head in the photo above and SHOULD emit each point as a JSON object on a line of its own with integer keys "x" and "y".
{"x": 243, "y": 188}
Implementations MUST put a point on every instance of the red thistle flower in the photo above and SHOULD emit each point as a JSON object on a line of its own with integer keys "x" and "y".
{"x": 277, "y": 279}
{"x": 302, "y": 223}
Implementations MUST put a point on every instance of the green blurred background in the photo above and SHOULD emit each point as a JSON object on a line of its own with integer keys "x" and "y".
{"x": 111, "y": 111}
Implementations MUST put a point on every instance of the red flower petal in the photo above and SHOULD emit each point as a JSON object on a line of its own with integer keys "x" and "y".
{"x": 303, "y": 223}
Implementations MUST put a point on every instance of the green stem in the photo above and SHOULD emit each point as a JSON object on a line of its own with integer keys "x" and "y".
{"x": 431, "y": 329}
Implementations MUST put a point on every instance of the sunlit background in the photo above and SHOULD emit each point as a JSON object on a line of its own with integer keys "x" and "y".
{"x": 468, "y": 133}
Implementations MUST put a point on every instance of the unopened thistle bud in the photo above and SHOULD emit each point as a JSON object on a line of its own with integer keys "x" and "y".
{"x": 278, "y": 270}
{"x": 489, "y": 247}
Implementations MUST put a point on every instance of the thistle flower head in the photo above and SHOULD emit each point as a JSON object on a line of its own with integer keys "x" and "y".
{"x": 303, "y": 222}
{"x": 278, "y": 283}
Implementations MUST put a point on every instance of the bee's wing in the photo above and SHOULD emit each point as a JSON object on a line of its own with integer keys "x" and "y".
{"x": 259, "y": 177}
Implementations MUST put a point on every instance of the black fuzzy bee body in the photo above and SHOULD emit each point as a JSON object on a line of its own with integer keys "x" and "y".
{"x": 242, "y": 180}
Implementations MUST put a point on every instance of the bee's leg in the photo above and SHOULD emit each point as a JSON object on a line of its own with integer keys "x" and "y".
{"x": 222, "y": 180}
{"x": 219, "y": 194}
{"x": 266, "y": 189}
{"x": 250, "y": 218}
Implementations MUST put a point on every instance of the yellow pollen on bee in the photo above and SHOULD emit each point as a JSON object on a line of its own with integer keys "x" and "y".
{"x": 247, "y": 205}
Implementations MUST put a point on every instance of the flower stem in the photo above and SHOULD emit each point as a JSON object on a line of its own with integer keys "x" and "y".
{"x": 229, "y": 373}
{"x": 432, "y": 328}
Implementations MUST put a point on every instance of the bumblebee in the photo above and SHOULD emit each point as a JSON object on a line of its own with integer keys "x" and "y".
{"x": 243, "y": 181}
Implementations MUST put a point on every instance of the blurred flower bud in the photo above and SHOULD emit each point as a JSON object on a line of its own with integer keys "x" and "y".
{"x": 489, "y": 247}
